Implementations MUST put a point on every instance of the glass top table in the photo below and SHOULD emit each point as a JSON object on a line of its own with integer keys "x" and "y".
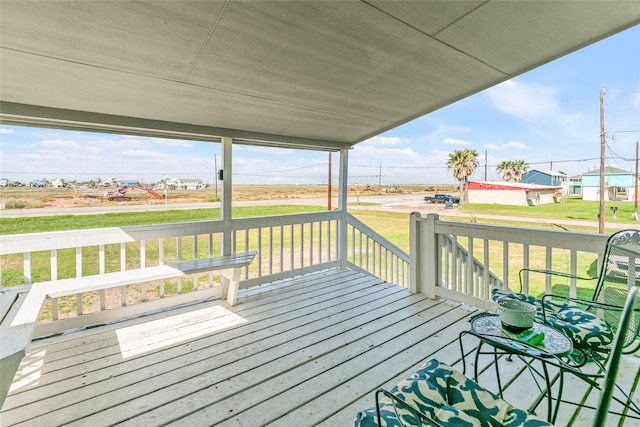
{"x": 489, "y": 329}
{"x": 555, "y": 346}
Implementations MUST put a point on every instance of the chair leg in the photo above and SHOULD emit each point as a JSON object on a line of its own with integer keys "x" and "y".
{"x": 495, "y": 362}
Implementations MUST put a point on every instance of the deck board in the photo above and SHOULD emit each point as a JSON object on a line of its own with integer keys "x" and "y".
{"x": 304, "y": 351}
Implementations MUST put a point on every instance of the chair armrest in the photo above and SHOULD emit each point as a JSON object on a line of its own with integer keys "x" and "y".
{"x": 396, "y": 401}
{"x": 594, "y": 304}
{"x": 552, "y": 273}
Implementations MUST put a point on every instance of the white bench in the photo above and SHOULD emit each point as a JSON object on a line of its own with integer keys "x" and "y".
{"x": 20, "y": 306}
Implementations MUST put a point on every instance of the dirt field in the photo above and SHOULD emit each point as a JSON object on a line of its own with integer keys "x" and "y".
{"x": 25, "y": 198}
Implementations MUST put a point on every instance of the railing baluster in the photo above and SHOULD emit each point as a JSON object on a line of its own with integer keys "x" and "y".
{"x": 291, "y": 246}
{"x": 143, "y": 264}
{"x": 178, "y": 259}
{"x": 270, "y": 252}
{"x": 101, "y": 261}
{"x": 320, "y": 242}
{"x": 573, "y": 266}
{"x": 123, "y": 267}
{"x": 26, "y": 267}
{"x": 194, "y": 277}
{"x": 259, "y": 231}
{"x": 486, "y": 290}
{"x": 79, "y": 305}
{"x": 525, "y": 265}
{"x": 548, "y": 266}
{"x": 301, "y": 245}
{"x": 161, "y": 262}
{"x": 54, "y": 276}
{"x": 210, "y": 254}
{"x": 469, "y": 269}
{"x": 311, "y": 242}
{"x": 505, "y": 263}
{"x": 281, "y": 248}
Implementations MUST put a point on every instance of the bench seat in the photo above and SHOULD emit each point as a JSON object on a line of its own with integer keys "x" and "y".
{"x": 21, "y": 305}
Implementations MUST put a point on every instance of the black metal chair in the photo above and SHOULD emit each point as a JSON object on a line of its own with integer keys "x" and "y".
{"x": 438, "y": 395}
{"x": 592, "y": 324}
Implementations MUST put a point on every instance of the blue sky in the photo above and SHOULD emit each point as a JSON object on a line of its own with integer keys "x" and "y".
{"x": 549, "y": 117}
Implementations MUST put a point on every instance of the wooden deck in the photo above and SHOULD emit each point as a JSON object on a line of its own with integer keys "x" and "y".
{"x": 305, "y": 351}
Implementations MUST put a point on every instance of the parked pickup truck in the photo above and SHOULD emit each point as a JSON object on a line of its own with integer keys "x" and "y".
{"x": 441, "y": 198}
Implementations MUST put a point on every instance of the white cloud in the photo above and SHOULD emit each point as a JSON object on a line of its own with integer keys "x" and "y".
{"x": 455, "y": 141}
{"x": 528, "y": 102}
{"x": 5, "y": 131}
{"x": 635, "y": 99}
{"x": 172, "y": 142}
{"x": 54, "y": 144}
{"x": 491, "y": 146}
{"x": 383, "y": 141}
{"x": 147, "y": 155}
{"x": 390, "y": 154}
{"x": 514, "y": 144}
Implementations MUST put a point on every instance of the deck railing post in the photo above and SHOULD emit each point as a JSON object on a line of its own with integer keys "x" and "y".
{"x": 424, "y": 254}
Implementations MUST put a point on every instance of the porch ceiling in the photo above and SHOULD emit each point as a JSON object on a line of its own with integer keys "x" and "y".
{"x": 319, "y": 74}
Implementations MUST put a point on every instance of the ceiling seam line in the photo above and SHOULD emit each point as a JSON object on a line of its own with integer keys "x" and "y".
{"x": 434, "y": 38}
{"x": 206, "y": 42}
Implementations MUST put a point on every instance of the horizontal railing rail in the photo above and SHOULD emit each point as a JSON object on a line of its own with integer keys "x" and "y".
{"x": 464, "y": 261}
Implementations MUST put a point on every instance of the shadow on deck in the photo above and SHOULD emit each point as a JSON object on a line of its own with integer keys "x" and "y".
{"x": 305, "y": 351}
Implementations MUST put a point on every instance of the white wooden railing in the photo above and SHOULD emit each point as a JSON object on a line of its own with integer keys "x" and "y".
{"x": 459, "y": 261}
{"x": 487, "y": 256}
{"x": 286, "y": 246}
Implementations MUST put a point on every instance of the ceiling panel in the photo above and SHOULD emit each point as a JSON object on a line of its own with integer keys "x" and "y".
{"x": 315, "y": 73}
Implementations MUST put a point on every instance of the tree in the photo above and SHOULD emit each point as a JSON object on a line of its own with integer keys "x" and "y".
{"x": 506, "y": 167}
{"x": 463, "y": 163}
{"x": 520, "y": 167}
{"x": 513, "y": 169}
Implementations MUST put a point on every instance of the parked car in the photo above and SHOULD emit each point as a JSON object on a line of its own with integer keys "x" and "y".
{"x": 441, "y": 198}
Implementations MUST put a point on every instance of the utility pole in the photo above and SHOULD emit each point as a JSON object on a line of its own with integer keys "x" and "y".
{"x": 380, "y": 180}
{"x": 635, "y": 193}
{"x": 602, "y": 144}
{"x": 485, "y": 165}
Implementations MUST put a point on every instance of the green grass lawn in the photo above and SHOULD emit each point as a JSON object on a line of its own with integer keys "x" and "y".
{"x": 573, "y": 209}
{"x": 80, "y": 222}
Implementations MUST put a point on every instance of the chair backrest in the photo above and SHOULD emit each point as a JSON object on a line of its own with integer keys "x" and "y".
{"x": 614, "y": 358}
{"x": 620, "y": 272}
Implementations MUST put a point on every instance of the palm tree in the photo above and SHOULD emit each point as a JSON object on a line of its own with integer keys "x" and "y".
{"x": 463, "y": 163}
{"x": 512, "y": 169}
{"x": 519, "y": 167}
{"x": 507, "y": 169}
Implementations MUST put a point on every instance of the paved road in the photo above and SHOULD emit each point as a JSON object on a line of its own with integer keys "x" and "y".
{"x": 406, "y": 203}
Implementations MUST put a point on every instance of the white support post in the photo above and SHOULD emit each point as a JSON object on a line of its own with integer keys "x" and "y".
{"x": 225, "y": 200}
{"x": 342, "y": 206}
{"x": 225, "y": 208}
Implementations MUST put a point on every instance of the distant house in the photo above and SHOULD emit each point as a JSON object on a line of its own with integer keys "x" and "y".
{"x": 37, "y": 183}
{"x": 546, "y": 177}
{"x": 619, "y": 184}
{"x": 575, "y": 185}
{"x": 513, "y": 193}
{"x": 4, "y": 182}
{"x": 189, "y": 184}
{"x": 181, "y": 184}
{"x": 57, "y": 182}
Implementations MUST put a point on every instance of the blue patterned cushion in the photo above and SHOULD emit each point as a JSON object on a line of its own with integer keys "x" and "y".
{"x": 448, "y": 397}
{"x": 584, "y": 328}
